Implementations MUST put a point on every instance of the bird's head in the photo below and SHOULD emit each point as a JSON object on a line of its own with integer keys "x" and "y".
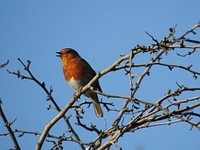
{"x": 67, "y": 53}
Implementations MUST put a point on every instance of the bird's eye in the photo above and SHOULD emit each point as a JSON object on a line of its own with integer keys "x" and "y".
{"x": 67, "y": 52}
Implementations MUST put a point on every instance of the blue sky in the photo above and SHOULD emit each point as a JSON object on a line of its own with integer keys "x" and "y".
{"x": 100, "y": 31}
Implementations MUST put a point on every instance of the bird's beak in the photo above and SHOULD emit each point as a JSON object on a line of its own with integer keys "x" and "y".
{"x": 58, "y": 54}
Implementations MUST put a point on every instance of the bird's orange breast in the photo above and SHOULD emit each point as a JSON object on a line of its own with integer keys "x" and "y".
{"x": 73, "y": 68}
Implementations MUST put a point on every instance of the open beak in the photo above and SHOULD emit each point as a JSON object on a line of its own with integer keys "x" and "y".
{"x": 58, "y": 54}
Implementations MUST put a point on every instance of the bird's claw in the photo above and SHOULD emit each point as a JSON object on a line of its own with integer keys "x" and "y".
{"x": 78, "y": 91}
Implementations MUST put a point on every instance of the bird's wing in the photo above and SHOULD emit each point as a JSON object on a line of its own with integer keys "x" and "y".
{"x": 88, "y": 68}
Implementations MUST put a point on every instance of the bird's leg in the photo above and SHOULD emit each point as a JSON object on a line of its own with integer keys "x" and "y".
{"x": 80, "y": 89}
{"x": 77, "y": 92}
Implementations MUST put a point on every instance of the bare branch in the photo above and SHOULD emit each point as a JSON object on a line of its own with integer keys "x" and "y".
{"x": 190, "y": 31}
{"x": 8, "y": 126}
{"x": 173, "y": 106}
{"x": 4, "y": 64}
{"x": 49, "y": 93}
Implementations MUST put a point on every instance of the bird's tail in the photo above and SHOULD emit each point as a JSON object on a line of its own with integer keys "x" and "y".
{"x": 97, "y": 106}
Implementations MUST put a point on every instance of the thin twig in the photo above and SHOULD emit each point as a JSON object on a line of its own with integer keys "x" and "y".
{"x": 8, "y": 126}
{"x": 4, "y": 64}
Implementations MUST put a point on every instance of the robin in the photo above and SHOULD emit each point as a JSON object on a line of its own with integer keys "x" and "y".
{"x": 78, "y": 73}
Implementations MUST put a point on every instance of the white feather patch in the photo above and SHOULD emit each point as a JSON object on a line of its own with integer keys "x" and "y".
{"x": 76, "y": 84}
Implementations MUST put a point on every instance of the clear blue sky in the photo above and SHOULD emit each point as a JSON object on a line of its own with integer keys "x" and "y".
{"x": 100, "y": 31}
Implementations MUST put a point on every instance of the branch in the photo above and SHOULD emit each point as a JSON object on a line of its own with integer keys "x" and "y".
{"x": 4, "y": 64}
{"x": 91, "y": 128}
{"x": 58, "y": 117}
{"x": 77, "y": 94}
{"x": 189, "y": 31}
{"x": 165, "y": 110}
{"x": 136, "y": 87}
{"x": 154, "y": 112}
{"x": 8, "y": 126}
{"x": 49, "y": 93}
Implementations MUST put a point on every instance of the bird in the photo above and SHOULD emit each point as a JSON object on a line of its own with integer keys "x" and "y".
{"x": 78, "y": 72}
